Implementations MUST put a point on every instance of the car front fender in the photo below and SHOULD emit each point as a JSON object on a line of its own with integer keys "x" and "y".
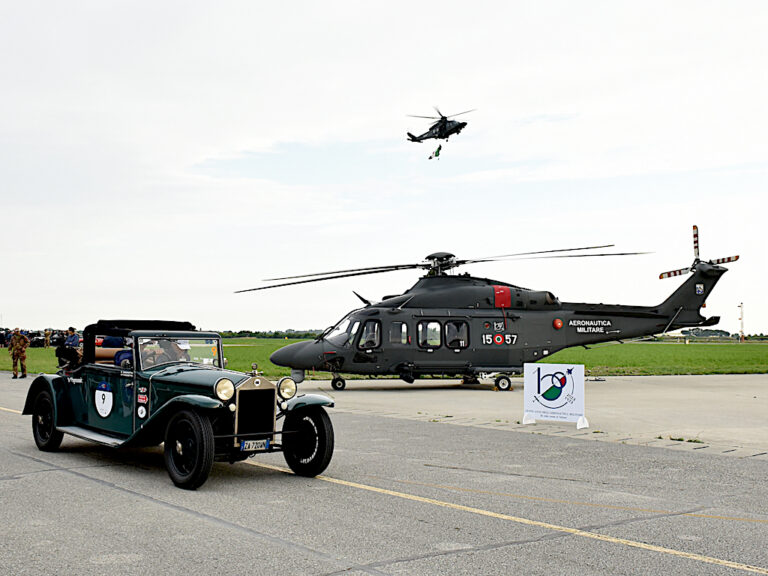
{"x": 153, "y": 428}
{"x": 56, "y": 385}
{"x": 306, "y": 400}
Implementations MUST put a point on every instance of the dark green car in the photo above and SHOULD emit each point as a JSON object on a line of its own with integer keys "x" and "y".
{"x": 154, "y": 381}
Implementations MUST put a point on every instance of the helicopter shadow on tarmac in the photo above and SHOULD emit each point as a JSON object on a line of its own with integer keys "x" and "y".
{"x": 393, "y": 385}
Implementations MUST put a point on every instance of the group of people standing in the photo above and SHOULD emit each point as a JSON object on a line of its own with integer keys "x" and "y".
{"x": 18, "y": 342}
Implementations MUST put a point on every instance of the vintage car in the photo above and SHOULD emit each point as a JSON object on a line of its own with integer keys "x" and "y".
{"x": 168, "y": 385}
{"x": 36, "y": 339}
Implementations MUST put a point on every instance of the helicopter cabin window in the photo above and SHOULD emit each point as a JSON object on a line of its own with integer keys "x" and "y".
{"x": 398, "y": 333}
{"x": 456, "y": 334}
{"x": 429, "y": 334}
{"x": 371, "y": 336}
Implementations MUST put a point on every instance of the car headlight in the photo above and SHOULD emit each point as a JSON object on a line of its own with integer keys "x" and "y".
{"x": 286, "y": 387}
{"x": 225, "y": 389}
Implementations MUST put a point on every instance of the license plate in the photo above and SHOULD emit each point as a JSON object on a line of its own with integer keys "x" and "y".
{"x": 251, "y": 445}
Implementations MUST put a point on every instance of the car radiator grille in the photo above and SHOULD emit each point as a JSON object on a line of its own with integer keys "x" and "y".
{"x": 255, "y": 411}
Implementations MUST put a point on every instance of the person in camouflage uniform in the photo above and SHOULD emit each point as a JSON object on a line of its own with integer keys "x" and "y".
{"x": 17, "y": 348}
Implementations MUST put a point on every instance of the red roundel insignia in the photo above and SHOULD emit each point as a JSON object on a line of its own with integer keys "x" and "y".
{"x": 557, "y": 323}
{"x": 498, "y": 339}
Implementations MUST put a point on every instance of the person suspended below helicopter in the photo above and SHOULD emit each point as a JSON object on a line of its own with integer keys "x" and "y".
{"x": 436, "y": 153}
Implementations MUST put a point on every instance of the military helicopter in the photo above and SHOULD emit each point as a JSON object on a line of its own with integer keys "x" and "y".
{"x": 442, "y": 129}
{"x": 460, "y": 325}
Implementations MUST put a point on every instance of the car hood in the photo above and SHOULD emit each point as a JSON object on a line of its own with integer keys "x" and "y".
{"x": 192, "y": 375}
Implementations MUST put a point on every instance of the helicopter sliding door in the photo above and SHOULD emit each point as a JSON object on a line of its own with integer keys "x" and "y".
{"x": 442, "y": 346}
{"x": 497, "y": 346}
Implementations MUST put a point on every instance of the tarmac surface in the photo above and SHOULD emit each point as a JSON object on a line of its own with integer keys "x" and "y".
{"x": 430, "y": 478}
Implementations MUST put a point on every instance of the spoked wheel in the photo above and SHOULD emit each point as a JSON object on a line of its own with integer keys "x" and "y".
{"x": 504, "y": 383}
{"x": 189, "y": 449}
{"x": 308, "y": 441}
{"x": 338, "y": 383}
{"x": 44, "y": 430}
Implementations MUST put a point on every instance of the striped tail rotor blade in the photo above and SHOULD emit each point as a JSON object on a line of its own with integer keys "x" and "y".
{"x": 695, "y": 242}
{"x": 674, "y": 273}
{"x": 724, "y": 260}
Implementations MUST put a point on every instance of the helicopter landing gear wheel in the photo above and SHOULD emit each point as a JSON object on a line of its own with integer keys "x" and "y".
{"x": 338, "y": 383}
{"x": 503, "y": 383}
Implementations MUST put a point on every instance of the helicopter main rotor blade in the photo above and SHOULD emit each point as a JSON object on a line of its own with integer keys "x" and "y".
{"x": 438, "y": 111}
{"x": 430, "y": 117}
{"x": 504, "y": 256}
{"x": 460, "y": 113}
{"x": 585, "y": 255}
{"x": 391, "y": 269}
{"x": 333, "y": 273}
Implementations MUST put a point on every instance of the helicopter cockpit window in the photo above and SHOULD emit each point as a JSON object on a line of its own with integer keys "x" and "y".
{"x": 371, "y": 336}
{"x": 456, "y": 334}
{"x": 398, "y": 333}
{"x": 429, "y": 334}
{"x": 344, "y": 333}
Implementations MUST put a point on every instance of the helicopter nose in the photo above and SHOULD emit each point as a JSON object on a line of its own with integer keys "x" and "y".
{"x": 300, "y": 356}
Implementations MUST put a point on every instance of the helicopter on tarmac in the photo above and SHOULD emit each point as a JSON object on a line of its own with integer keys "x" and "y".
{"x": 460, "y": 325}
{"x": 442, "y": 129}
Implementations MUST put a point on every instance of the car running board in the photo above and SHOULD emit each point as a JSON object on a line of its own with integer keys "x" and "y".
{"x": 86, "y": 434}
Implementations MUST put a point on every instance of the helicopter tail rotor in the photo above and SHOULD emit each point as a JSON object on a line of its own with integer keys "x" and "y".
{"x": 696, "y": 259}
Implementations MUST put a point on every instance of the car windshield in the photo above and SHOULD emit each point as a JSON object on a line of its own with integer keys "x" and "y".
{"x": 343, "y": 333}
{"x": 160, "y": 351}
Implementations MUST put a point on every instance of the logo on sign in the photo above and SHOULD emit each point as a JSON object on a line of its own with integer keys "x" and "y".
{"x": 142, "y": 399}
{"x": 103, "y": 399}
{"x": 498, "y": 326}
{"x": 699, "y": 289}
{"x": 554, "y": 390}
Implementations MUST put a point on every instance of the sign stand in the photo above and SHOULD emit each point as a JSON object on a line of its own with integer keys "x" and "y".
{"x": 528, "y": 418}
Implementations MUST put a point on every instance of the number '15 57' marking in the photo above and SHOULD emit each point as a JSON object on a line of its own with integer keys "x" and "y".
{"x": 499, "y": 339}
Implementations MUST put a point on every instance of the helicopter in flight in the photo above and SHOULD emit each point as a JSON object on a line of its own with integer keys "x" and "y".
{"x": 461, "y": 325}
{"x": 442, "y": 129}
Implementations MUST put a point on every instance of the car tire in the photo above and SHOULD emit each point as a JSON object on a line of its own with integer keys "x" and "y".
{"x": 504, "y": 383}
{"x": 308, "y": 441}
{"x": 338, "y": 383}
{"x": 47, "y": 438}
{"x": 189, "y": 449}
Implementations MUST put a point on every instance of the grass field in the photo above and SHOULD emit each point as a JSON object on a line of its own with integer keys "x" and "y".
{"x": 636, "y": 358}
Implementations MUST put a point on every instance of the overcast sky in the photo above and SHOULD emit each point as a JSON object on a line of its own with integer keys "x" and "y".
{"x": 157, "y": 156}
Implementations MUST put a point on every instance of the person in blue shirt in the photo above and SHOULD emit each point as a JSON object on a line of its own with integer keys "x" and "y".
{"x": 72, "y": 338}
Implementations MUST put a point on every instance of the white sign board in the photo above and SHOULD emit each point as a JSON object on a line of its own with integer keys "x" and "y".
{"x": 554, "y": 392}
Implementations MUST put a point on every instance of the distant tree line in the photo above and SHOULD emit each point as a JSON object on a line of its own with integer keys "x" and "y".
{"x": 281, "y": 334}
{"x": 705, "y": 333}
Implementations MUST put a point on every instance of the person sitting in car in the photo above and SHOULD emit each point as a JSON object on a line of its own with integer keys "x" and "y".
{"x": 173, "y": 351}
{"x": 73, "y": 339}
